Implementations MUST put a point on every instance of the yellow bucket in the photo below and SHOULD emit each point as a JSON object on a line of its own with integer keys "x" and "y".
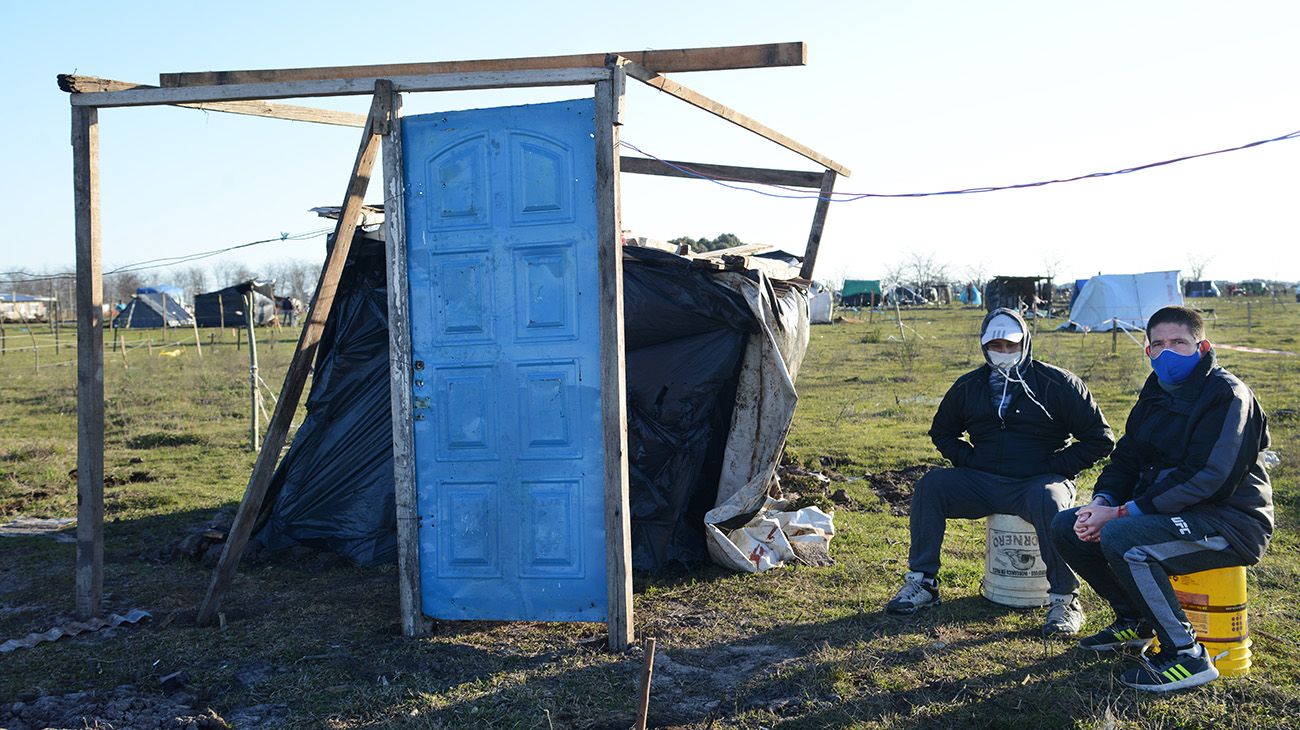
{"x": 1215, "y": 604}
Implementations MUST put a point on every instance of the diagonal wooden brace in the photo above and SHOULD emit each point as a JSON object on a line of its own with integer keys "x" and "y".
{"x": 303, "y": 356}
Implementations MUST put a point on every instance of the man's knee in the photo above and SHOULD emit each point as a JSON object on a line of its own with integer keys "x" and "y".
{"x": 1117, "y": 539}
{"x": 1063, "y": 527}
{"x": 928, "y": 487}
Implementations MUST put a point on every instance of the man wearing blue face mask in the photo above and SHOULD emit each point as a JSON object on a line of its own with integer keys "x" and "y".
{"x": 1006, "y": 427}
{"x": 1185, "y": 491}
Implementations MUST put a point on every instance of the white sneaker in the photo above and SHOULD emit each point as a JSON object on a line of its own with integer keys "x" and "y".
{"x": 1064, "y": 616}
{"x": 917, "y": 592}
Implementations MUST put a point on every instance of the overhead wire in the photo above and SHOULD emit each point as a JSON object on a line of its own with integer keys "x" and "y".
{"x": 846, "y": 197}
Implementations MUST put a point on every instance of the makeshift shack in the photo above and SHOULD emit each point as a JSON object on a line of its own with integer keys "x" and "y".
{"x": 228, "y": 307}
{"x": 711, "y": 358}
{"x": 1123, "y": 300}
{"x": 151, "y": 308}
{"x": 1023, "y": 293}
{"x": 23, "y": 307}
{"x": 861, "y": 293}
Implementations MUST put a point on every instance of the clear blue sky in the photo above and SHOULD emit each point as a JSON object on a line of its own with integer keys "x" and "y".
{"x": 912, "y": 96}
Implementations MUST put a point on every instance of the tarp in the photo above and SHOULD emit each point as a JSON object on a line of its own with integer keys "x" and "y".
{"x": 227, "y": 307}
{"x": 710, "y": 398}
{"x": 145, "y": 310}
{"x": 1126, "y": 299}
{"x": 853, "y": 287}
{"x": 970, "y": 294}
{"x": 821, "y": 304}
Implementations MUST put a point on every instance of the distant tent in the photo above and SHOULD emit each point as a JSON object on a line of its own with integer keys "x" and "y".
{"x": 151, "y": 308}
{"x": 227, "y": 307}
{"x": 1024, "y": 293}
{"x": 970, "y": 294}
{"x": 861, "y": 293}
{"x": 172, "y": 292}
{"x": 821, "y": 305}
{"x": 1126, "y": 299}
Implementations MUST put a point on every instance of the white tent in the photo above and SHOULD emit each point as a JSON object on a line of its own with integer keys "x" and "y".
{"x": 1126, "y": 299}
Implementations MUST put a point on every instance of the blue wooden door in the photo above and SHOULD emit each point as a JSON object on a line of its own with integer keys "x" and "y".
{"x": 502, "y": 265}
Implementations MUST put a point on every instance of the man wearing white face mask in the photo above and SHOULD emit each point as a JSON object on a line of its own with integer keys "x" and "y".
{"x": 1006, "y": 427}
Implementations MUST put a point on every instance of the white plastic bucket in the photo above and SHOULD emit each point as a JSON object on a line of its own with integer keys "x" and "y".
{"x": 1014, "y": 572}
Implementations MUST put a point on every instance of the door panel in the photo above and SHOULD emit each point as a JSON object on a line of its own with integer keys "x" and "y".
{"x": 509, "y": 453}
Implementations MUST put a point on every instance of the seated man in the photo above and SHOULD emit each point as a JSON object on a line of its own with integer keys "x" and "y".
{"x": 1020, "y": 415}
{"x": 1185, "y": 491}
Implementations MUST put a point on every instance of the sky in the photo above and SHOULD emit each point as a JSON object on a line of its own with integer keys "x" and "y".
{"x": 912, "y": 96}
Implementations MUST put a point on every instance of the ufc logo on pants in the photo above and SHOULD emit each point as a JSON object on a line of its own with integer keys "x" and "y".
{"x": 1183, "y": 529}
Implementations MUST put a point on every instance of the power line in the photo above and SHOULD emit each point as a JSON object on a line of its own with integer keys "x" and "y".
{"x": 165, "y": 262}
{"x": 851, "y": 197}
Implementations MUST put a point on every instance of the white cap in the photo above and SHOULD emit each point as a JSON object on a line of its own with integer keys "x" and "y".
{"x": 1003, "y": 327}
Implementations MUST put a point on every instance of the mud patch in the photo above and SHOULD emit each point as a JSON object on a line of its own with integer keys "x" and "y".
{"x": 125, "y": 706}
{"x": 696, "y": 683}
{"x": 895, "y": 487}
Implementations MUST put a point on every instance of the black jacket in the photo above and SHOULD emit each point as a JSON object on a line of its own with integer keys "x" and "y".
{"x": 1198, "y": 449}
{"x": 1024, "y": 441}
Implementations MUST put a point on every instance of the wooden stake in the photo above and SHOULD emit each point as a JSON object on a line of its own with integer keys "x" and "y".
{"x": 1248, "y": 318}
{"x": 613, "y": 378}
{"x": 299, "y": 365}
{"x": 90, "y": 363}
{"x": 1114, "y": 335}
{"x": 818, "y": 224}
{"x": 647, "y": 673}
{"x": 254, "y": 431}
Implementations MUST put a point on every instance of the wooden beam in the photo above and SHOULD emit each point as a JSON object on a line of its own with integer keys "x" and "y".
{"x": 301, "y": 363}
{"x": 340, "y": 87}
{"x": 256, "y": 108}
{"x": 694, "y": 98}
{"x": 819, "y": 222}
{"x": 90, "y": 364}
{"x": 399, "y": 375}
{"x": 666, "y": 61}
{"x": 613, "y": 378}
{"x": 730, "y": 173}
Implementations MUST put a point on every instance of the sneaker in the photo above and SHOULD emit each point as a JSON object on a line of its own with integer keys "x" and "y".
{"x": 1168, "y": 671}
{"x": 917, "y": 592}
{"x": 1064, "y": 616}
{"x": 1122, "y": 634}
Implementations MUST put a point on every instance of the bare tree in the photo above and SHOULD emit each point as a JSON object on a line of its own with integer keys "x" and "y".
{"x": 1196, "y": 266}
{"x": 976, "y": 272}
{"x": 925, "y": 268}
{"x": 231, "y": 272}
{"x": 193, "y": 279}
{"x": 1052, "y": 264}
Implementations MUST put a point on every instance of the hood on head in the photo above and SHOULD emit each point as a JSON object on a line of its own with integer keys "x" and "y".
{"x": 1026, "y": 344}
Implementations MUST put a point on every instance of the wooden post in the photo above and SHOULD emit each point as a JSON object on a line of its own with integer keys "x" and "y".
{"x": 400, "y": 380}
{"x": 898, "y": 312}
{"x": 198, "y": 344}
{"x": 254, "y": 430}
{"x": 1114, "y": 334}
{"x": 647, "y": 673}
{"x": 819, "y": 223}
{"x": 613, "y": 378}
{"x": 1248, "y": 318}
{"x": 90, "y": 363}
{"x": 299, "y": 365}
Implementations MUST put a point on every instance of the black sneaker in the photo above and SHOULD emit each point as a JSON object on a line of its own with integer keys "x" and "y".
{"x": 1163, "y": 671}
{"x": 1122, "y": 634}
{"x": 918, "y": 592}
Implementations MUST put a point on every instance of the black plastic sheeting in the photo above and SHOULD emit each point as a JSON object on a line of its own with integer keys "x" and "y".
{"x": 334, "y": 488}
{"x": 685, "y": 341}
{"x": 227, "y": 307}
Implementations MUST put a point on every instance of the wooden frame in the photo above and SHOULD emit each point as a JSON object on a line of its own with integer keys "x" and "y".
{"x": 246, "y": 92}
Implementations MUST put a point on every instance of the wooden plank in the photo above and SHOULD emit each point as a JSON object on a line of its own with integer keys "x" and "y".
{"x": 90, "y": 364}
{"x": 256, "y": 108}
{"x": 819, "y": 223}
{"x": 300, "y": 365}
{"x": 695, "y": 98}
{"x": 340, "y": 87}
{"x": 665, "y": 61}
{"x": 399, "y": 374}
{"x": 729, "y": 173}
{"x": 613, "y": 378}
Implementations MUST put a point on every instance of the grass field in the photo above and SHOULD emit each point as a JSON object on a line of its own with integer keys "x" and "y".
{"x": 315, "y": 643}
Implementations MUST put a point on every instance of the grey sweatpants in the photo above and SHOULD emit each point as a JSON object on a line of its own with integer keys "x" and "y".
{"x": 1131, "y": 565}
{"x": 972, "y": 494}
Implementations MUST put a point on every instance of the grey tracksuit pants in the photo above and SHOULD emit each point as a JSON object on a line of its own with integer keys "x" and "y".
{"x": 1130, "y": 567}
{"x": 972, "y": 494}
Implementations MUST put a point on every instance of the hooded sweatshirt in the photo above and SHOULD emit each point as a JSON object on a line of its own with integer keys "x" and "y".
{"x": 1032, "y": 434}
